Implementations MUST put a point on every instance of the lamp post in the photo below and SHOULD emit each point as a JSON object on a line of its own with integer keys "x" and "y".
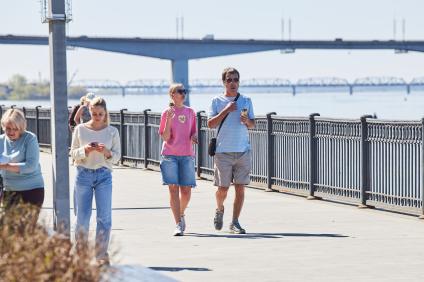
{"x": 56, "y": 17}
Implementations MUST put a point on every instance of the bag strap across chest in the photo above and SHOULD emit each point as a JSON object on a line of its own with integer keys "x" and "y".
{"x": 222, "y": 122}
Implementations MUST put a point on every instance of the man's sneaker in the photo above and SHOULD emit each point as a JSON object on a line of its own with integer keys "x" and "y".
{"x": 236, "y": 228}
{"x": 183, "y": 223}
{"x": 178, "y": 230}
{"x": 218, "y": 219}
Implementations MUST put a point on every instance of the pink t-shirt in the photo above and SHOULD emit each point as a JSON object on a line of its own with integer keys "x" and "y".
{"x": 183, "y": 126}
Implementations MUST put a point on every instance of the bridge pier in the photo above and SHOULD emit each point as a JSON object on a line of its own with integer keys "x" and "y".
{"x": 180, "y": 75}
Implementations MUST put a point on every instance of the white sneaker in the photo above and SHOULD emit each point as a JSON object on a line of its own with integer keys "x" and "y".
{"x": 183, "y": 223}
{"x": 178, "y": 230}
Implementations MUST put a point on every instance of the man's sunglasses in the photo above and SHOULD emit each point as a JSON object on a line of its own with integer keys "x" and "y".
{"x": 181, "y": 91}
{"x": 229, "y": 80}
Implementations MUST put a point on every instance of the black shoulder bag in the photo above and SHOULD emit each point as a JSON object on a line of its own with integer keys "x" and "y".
{"x": 212, "y": 143}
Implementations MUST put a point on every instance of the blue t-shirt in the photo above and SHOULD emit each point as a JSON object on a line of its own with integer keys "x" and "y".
{"x": 233, "y": 136}
{"x": 27, "y": 158}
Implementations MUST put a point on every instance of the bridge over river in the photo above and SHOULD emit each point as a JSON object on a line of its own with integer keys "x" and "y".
{"x": 180, "y": 51}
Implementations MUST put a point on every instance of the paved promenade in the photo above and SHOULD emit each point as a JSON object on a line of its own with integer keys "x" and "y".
{"x": 289, "y": 238}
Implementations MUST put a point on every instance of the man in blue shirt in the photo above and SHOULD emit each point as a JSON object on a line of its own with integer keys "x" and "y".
{"x": 232, "y": 158}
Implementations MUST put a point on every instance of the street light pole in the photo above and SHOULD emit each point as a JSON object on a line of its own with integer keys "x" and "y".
{"x": 59, "y": 115}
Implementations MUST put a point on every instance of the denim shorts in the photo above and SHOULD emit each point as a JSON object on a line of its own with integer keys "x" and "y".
{"x": 178, "y": 170}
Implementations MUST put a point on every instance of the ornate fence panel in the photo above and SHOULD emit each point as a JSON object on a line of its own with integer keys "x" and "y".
{"x": 155, "y": 141}
{"x": 291, "y": 154}
{"x": 338, "y": 159}
{"x": 44, "y": 127}
{"x": 204, "y": 161}
{"x": 395, "y": 165}
{"x": 259, "y": 153}
{"x": 31, "y": 117}
{"x": 115, "y": 119}
{"x": 134, "y": 143}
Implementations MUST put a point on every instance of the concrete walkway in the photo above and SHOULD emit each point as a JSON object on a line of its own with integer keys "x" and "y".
{"x": 289, "y": 238}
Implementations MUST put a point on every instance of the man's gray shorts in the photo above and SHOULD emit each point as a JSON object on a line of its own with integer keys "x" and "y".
{"x": 232, "y": 168}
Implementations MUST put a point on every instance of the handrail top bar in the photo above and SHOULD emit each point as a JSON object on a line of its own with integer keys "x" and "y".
{"x": 134, "y": 113}
{"x": 126, "y": 112}
{"x": 290, "y": 118}
{"x": 274, "y": 117}
{"x": 345, "y": 120}
{"x": 389, "y": 121}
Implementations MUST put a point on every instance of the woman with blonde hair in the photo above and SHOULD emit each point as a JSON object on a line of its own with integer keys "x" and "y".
{"x": 20, "y": 162}
{"x": 178, "y": 131}
{"x": 95, "y": 148}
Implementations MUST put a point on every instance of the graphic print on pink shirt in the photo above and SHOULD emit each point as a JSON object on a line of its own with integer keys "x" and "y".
{"x": 183, "y": 127}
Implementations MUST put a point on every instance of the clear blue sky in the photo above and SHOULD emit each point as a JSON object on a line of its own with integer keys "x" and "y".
{"x": 311, "y": 19}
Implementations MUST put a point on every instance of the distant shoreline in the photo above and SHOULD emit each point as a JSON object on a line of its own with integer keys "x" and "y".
{"x": 37, "y": 99}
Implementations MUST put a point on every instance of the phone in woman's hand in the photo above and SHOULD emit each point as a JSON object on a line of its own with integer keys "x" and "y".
{"x": 94, "y": 144}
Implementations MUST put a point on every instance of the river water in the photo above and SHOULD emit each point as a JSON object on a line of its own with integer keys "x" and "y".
{"x": 386, "y": 105}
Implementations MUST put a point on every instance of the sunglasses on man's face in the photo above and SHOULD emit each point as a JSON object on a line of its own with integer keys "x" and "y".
{"x": 181, "y": 91}
{"x": 229, "y": 80}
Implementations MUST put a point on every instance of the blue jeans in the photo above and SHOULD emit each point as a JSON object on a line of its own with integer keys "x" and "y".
{"x": 97, "y": 182}
{"x": 178, "y": 170}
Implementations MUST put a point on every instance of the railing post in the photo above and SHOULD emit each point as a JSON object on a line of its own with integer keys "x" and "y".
{"x": 365, "y": 165}
{"x": 146, "y": 138}
{"x": 312, "y": 156}
{"x": 24, "y": 111}
{"x": 422, "y": 169}
{"x": 37, "y": 122}
{"x": 122, "y": 131}
{"x": 200, "y": 145}
{"x": 270, "y": 146}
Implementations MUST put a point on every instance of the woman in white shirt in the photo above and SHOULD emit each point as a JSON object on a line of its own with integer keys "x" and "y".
{"x": 95, "y": 147}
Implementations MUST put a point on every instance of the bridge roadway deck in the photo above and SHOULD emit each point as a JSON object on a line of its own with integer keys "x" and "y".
{"x": 289, "y": 238}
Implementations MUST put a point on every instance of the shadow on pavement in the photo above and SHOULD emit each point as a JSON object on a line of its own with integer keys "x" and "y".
{"x": 135, "y": 273}
{"x": 121, "y": 209}
{"x": 144, "y": 208}
{"x": 175, "y": 269}
{"x": 265, "y": 235}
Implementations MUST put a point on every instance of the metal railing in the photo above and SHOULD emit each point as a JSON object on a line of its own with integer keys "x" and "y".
{"x": 365, "y": 161}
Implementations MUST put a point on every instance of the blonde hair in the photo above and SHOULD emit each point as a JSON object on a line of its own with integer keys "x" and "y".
{"x": 172, "y": 88}
{"x": 82, "y": 100}
{"x": 100, "y": 102}
{"x": 15, "y": 117}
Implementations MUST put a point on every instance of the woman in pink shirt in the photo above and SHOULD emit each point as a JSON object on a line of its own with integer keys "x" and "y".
{"x": 178, "y": 131}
